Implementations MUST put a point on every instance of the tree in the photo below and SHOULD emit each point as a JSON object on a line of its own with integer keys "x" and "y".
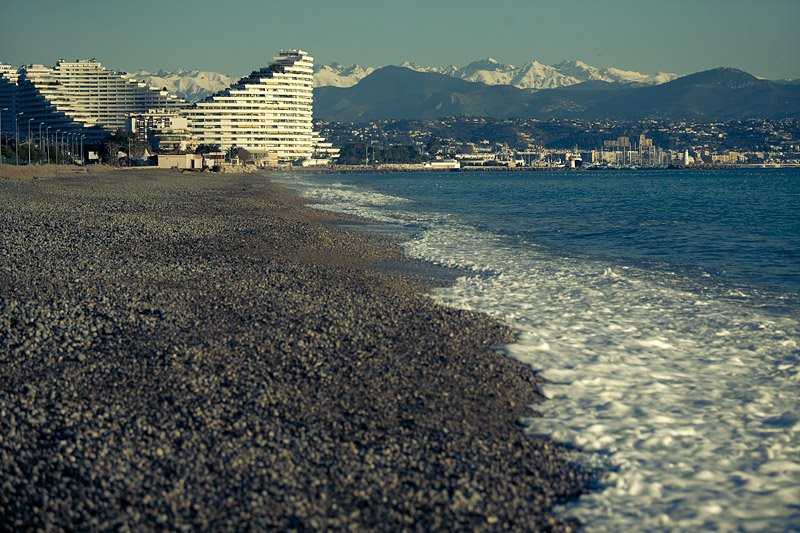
{"x": 352, "y": 154}
{"x": 207, "y": 148}
{"x": 244, "y": 155}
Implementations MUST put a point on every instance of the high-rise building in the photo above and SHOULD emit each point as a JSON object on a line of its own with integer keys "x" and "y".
{"x": 8, "y": 98}
{"x": 268, "y": 113}
{"x": 81, "y": 97}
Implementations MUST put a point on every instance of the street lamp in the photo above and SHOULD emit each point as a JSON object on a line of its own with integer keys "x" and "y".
{"x": 16, "y": 132}
{"x": 29, "y": 140}
{"x": 47, "y": 143}
{"x": 40, "y": 141}
{"x": 57, "y": 146}
{"x": 83, "y": 162}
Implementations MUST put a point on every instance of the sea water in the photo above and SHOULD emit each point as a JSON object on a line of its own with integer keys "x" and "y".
{"x": 662, "y": 306}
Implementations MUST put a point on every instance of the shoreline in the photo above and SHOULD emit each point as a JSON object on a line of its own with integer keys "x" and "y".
{"x": 204, "y": 350}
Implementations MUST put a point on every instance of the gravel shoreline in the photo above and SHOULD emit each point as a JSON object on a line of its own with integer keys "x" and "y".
{"x": 203, "y": 351}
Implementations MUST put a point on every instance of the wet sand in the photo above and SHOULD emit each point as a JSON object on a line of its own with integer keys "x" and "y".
{"x": 203, "y": 351}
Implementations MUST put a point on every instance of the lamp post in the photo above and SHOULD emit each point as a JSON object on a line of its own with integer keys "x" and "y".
{"x": 83, "y": 161}
{"x": 40, "y": 141}
{"x": 29, "y": 140}
{"x": 57, "y": 146}
{"x": 47, "y": 143}
{"x": 16, "y": 132}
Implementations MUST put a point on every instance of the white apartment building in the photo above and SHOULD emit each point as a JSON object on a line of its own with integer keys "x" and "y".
{"x": 165, "y": 129}
{"x": 83, "y": 97}
{"x": 268, "y": 113}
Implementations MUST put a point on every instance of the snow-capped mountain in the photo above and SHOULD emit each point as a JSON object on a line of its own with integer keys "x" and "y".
{"x": 450, "y": 70}
{"x": 195, "y": 85}
{"x": 337, "y": 75}
{"x": 530, "y": 75}
{"x": 190, "y": 85}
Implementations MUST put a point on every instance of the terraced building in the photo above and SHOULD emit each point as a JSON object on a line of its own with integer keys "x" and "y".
{"x": 268, "y": 113}
{"x": 78, "y": 97}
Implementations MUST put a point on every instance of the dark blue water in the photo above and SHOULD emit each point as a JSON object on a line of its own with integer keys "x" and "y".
{"x": 740, "y": 226}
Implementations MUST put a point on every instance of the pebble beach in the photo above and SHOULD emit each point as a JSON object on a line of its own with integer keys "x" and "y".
{"x": 203, "y": 351}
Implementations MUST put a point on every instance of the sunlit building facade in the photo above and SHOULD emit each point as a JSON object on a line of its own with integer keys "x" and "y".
{"x": 268, "y": 113}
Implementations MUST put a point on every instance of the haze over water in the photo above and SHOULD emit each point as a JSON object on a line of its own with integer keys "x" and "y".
{"x": 663, "y": 306}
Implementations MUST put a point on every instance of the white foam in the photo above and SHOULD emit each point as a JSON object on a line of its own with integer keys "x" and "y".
{"x": 688, "y": 398}
{"x": 690, "y": 403}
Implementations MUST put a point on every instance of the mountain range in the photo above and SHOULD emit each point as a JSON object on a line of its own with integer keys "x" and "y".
{"x": 402, "y": 93}
{"x": 573, "y": 89}
{"x": 535, "y": 75}
{"x": 195, "y": 85}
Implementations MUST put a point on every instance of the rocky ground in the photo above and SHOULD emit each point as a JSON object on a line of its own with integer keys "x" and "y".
{"x": 202, "y": 351}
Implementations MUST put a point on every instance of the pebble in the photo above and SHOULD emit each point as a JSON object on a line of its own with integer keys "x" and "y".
{"x": 245, "y": 365}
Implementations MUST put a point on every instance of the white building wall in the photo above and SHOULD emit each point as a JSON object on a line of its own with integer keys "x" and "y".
{"x": 267, "y": 112}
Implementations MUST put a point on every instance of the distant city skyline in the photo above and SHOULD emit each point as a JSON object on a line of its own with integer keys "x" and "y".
{"x": 235, "y": 37}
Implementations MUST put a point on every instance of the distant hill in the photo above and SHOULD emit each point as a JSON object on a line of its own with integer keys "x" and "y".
{"x": 400, "y": 93}
{"x": 717, "y": 94}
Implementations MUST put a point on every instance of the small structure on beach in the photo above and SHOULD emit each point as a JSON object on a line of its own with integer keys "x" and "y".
{"x": 181, "y": 161}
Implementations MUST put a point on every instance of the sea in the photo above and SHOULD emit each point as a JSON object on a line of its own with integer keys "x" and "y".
{"x": 663, "y": 307}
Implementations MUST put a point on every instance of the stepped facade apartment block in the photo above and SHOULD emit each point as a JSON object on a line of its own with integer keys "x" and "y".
{"x": 268, "y": 113}
{"x": 78, "y": 97}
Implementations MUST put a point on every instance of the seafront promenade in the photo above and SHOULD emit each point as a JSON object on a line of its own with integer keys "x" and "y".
{"x": 200, "y": 350}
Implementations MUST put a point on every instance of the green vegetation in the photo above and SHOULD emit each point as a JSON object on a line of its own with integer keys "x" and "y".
{"x": 119, "y": 142}
{"x": 207, "y": 148}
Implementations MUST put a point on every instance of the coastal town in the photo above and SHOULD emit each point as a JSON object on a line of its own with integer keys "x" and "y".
{"x": 82, "y": 112}
{"x": 474, "y": 143}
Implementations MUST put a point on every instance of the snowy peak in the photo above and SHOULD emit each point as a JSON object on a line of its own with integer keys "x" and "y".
{"x": 580, "y": 71}
{"x": 584, "y": 72}
{"x": 531, "y": 75}
{"x": 338, "y": 75}
{"x": 450, "y": 70}
{"x": 535, "y": 75}
{"x": 191, "y": 85}
{"x": 489, "y": 64}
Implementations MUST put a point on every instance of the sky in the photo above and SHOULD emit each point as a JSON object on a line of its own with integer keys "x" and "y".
{"x": 237, "y": 36}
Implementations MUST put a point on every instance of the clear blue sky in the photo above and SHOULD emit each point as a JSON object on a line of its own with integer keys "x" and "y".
{"x": 236, "y": 36}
